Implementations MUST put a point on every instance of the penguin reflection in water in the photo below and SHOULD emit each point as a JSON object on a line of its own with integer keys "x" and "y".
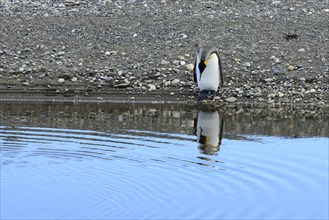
{"x": 209, "y": 129}
{"x": 208, "y": 73}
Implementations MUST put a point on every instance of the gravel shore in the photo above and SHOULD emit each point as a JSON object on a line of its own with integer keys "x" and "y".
{"x": 273, "y": 53}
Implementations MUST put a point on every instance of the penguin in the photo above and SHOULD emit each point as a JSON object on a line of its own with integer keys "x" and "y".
{"x": 208, "y": 128}
{"x": 208, "y": 73}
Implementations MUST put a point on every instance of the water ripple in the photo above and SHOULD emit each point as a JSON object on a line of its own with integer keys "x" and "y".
{"x": 144, "y": 174}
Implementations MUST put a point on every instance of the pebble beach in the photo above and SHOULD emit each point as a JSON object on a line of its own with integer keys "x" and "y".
{"x": 274, "y": 53}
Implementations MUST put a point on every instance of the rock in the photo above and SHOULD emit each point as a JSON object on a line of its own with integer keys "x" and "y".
{"x": 25, "y": 83}
{"x": 152, "y": 87}
{"x": 275, "y": 71}
{"x": 291, "y": 68}
{"x": 42, "y": 75}
{"x": 276, "y": 3}
{"x": 184, "y": 36}
{"x": 275, "y": 59}
{"x": 121, "y": 85}
{"x": 164, "y": 62}
{"x": 25, "y": 50}
{"x": 61, "y": 53}
{"x": 230, "y": 99}
{"x": 246, "y": 65}
{"x": 190, "y": 67}
{"x": 271, "y": 95}
{"x": 108, "y": 78}
{"x": 182, "y": 63}
{"x": 280, "y": 94}
{"x": 247, "y": 87}
{"x": 175, "y": 82}
{"x": 269, "y": 80}
{"x": 74, "y": 79}
{"x": 311, "y": 91}
{"x": 109, "y": 53}
{"x": 61, "y": 80}
{"x": 258, "y": 94}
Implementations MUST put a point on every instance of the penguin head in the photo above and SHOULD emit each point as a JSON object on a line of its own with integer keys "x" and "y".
{"x": 203, "y": 139}
{"x": 204, "y": 54}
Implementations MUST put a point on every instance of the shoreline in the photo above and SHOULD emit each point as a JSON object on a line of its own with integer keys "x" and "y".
{"x": 273, "y": 53}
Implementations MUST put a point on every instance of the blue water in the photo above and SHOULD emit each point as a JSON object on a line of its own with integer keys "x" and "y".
{"x": 168, "y": 162}
{"x": 57, "y": 173}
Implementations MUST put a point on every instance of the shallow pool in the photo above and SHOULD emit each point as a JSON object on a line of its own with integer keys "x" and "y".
{"x": 149, "y": 162}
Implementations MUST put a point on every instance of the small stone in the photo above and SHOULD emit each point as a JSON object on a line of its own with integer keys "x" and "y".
{"x": 25, "y": 50}
{"x": 270, "y": 101}
{"x": 258, "y": 94}
{"x": 182, "y": 63}
{"x": 74, "y": 79}
{"x": 291, "y": 68}
{"x": 190, "y": 67}
{"x": 175, "y": 82}
{"x": 152, "y": 87}
{"x": 301, "y": 50}
{"x": 275, "y": 71}
{"x": 311, "y": 91}
{"x": 268, "y": 79}
{"x": 280, "y": 94}
{"x": 247, "y": 87}
{"x": 230, "y": 99}
{"x": 272, "y": 95}
{"x": 276, "y": 2}
{"x": 246, "y": 65}
{"x": 42, "y": 75}
{"x": 164, "y": 62}
{"x": 107, "y": 53}
{"x": 61, "y": 80}
{"x": 275, "y": 59}
{"x": 172, "y": 93}
{"x": 176, "y": 62}
{"x": 25, "y": 83}
{"x": 108, "y": 78}
{"x": 61, "y": 53}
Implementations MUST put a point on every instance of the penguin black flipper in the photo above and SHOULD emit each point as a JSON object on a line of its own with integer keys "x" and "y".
{"x": 194, "y": 72}
{"x": 220, "y": 69}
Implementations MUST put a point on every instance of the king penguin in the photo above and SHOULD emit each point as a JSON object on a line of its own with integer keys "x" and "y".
{"x": 208, "y": 73}
{"x": 208, "y": 128}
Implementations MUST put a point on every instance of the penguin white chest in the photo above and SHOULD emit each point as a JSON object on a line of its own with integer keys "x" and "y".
{"x": 209, "y": 79}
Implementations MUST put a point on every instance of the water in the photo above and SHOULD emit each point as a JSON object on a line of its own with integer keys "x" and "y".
{"x": 162, "y": 162}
